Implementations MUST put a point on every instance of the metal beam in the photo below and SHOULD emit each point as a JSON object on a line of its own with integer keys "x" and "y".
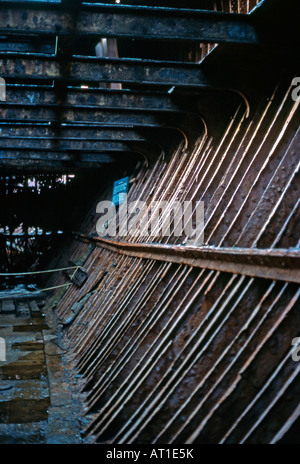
{"x": 36, "y": 143}
{"x": 32, "y": 145}
{"x": 127, "y": 21}
{"x": 83, "y": 70}
{"x": 92, "y": 119}
{"x": 98, "y": 98}
{"x": 275, "y": 264}
{"x": 61, "y": 161}
{"x": 48, "y": 103}
{"x": 76, "y": 138}
{"x": 28, "y": 44}
{"x": 50, "y": 165}
{"x": 83, "y": 134}
{"x": 77, "y": 145}
{"x": 112, "y": 156}
{"x": 62, "y": 114}
{"x": 162, "y": 131}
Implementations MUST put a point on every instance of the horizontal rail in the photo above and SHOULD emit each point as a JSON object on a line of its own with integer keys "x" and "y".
{"x": 128, "y": 21}
{"x": 83, "y": 136}
{"x": 104, "y": 157}
{"x": 109, "y": 142}
{"x": 84, "y": 69}
{"x": 31, "y": 146}
{"x": 275, "y": 264}
{"x": 94, "y": 98}
{"x": 78, "y": 115}
{"x": 41, "y": 165}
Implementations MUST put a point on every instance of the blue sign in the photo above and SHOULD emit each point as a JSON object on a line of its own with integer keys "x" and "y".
{"x": 120, "y": 191}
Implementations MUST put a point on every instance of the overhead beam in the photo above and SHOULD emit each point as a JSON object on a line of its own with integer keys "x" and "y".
{"x": 50, "y": 166}
{"x": 31, "y": 155}
{"x": 97, "y": 98}
{"x": 28, "y": 44}
{"x": 84, "y": 139}
{"x": 52, "y": 145}
{"x": 90, "y": 118}
{"x": 48, "y": 150}
{"x": 62, "y": 114}
{"x": 82, "y": 134}
{"x": 121, "y": 21}
{"x": 187, "y": 127}
{"x": 92, "y": 69}
{"x": 63, "y": 162}
{"x": 68, "y": 144}
{"x": 108, "y": 143}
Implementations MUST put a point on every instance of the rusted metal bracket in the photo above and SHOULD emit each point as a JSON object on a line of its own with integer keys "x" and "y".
{"x": 275, "y": 264}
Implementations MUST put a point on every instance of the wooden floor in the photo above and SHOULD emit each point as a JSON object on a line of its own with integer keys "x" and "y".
{"x": 34, "y": 395}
